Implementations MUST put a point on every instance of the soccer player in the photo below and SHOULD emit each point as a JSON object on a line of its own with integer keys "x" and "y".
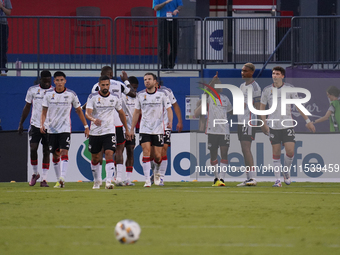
{"x": 100, "y": 108}
{"x": 159, "y": 175}
{"x": 151, "y": 103}
{"x": 117, "y": 87}
{"x": 34, "y": 98}
{"x": 56, "y": 111}
{"x": 275, "y": 130}
{"x": 219, "y": 134}
{"x": 246, "y": 133}
{"x": 128, "y": 104}
{"x": 333, "y": 112}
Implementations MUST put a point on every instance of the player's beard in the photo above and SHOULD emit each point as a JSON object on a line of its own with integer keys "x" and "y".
{"x": 105, "y": 91}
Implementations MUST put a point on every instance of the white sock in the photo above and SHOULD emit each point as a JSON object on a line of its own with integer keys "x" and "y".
{"x": 64, "y": 165}
{"x": 252, "y": 173}
{"x": 35, "y": 169}
{"x": 277, "y": 168}
{"x": 95, "y": 171}
{"x": 44, "y": 174}
{"x": 56, "y": 166}
{"x": 146, "y": 167}
{"x": 214, "y": 165}
{"x": 152, "y": 165}
{"x": 110, "y": 168}
{"x": 224, "y": 168}
{"x": 162, "y": 169}
{"x": 288, "y": 162}
{"x": 120, "y": 170}
{"x": 129, "y": 170}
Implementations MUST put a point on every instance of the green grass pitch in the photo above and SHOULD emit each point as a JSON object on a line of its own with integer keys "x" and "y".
{"x": 179, "y": 218}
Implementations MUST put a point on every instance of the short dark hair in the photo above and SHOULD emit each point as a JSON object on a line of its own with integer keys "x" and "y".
{"x": 133, "y": 80}
{"x": 280, "y": 69}
{"x": 106, "y": 70}
{"x": 104, "y": 78}
{"x": 59, "y": 73}
{"x": 153, "y": 75}
{"x": 334, "y": 91}
{"x": 45, "y": 74}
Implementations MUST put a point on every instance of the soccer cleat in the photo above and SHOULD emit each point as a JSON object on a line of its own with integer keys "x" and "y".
{"x": 43, "y": 184}
{"x": 57, "y": 185}
{"x": 128, "y": 183}
{"x": 34, "y": 179}
{"x": 251, "y": 182}
{"x": 96, "y": 185}
{"x": 242, "y": 184}
{"x": 286, "y": 177}
{"x": 216, "y": 182}
{"x": 222, "y": 182}
{"x": 277, "y": 184}
{"x": 147, "y": 184}
{"x": 119, "y": 183}
{"x": 62, "y": 182}
{"x": 109, "y": 185}
{"x": 161, "y": 183}
{"x": 157, "y": 178}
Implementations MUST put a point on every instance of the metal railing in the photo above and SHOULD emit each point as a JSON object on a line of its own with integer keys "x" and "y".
{"x": 132, "y": 43}
{"x": 316, "y": 42}
{"x": 237, "y": 40}
{"x": 59, "y": 43}
{"x": 139, "y": 39}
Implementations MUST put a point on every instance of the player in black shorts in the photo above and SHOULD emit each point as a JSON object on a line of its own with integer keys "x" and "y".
{"x": 34, "y": 98}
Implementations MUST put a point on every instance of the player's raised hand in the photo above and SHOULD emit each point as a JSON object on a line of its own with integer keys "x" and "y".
{"x": 124, "y": 76}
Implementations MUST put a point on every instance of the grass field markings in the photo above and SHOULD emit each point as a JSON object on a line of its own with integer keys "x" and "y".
{"x": 236, "y": 244}
{"x": 158, "y": 226}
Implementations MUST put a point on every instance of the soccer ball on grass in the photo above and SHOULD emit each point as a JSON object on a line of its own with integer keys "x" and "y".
{"x": 127, "y": 231}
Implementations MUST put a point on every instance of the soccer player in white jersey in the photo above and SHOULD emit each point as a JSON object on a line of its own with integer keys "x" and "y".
{"x": 246, "y": 133}
{"x": 117, "y": 87}
{"x": 277, "y": 132}
{"x": 34, "y": 98}
{"x": 56, "y": 111}
{"x": 100, "y": 108}
{"x": 218, "y": 134}
{"x": 128, "y": 104}
{"x": 160, "y": 175}
{"x": 151, "y": 103}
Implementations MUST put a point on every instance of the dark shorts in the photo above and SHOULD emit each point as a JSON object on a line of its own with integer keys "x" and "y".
{"x": 246, "y": 133}
{"x": 35, "y": 136}
{"x": 155, "y": 140}
{"x": 105, "y": 142}
{"x": 120, "y": 136}
{"x": 215, "y": 141}
{"x": 282, "y": 135}
{"x": 59, "y": 141}
{"x": 132, "y": 142}
{"x": 167, "y": 136}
